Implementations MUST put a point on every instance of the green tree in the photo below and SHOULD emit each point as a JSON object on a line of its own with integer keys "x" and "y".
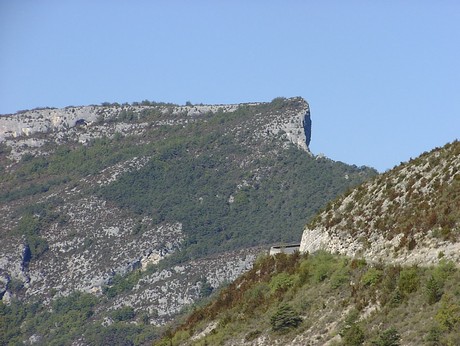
{"x": 285, "y": 318}
{"x": 433, "y": 290}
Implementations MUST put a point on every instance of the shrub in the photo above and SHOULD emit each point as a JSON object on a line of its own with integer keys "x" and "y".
{"x": 357, "y": 263}
{"x": 409, "y": 280}
{"x": 36, "y": 245}
{"x": 119, "y": 284}
{"x": 340, "y": 277}
{"x": 29, "y": 226}
{"x": 252, "y": 335}
{"x": 396, "y": 298}
{"x": 115, "y": 335}
{"x": 77, "y": 301}
{"x": 180, "y": 336}
{"x": 371, "y": 277}
{"x": 434, "y": 336}
{"x": 448, "y": 316}
{"x": 323, "y": 266}
{"x": 285, "y": 318}
{"x": 281, "y": 283}
{"x": 352, "y": 335}
{"x": 304, "y": 272}
{"x": 255, "y": 296}
{"x": 389, "y": 337}
{"x": 15, "y": 285}
{"x": 389, "y": 283}
{"x": 205, "y": 288}
{"x": 444, "y": 269}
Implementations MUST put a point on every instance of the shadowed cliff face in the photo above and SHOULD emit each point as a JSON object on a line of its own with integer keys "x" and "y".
{"x": 147, "y": 206}
{"x": 307, "y": 128}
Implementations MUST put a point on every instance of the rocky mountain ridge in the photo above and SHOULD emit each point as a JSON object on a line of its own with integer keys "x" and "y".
{"x": 28, "y": 131}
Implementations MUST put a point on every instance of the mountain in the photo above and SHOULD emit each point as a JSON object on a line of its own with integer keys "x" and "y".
{"x": 117, "y": 218}
{"x": 379, "y": 265}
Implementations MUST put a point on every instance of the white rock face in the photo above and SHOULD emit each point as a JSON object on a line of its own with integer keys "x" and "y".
{"x": 294, "y": 125}
{"x": 28, "y": 131}
{"x": 50, "y": 120}
{"x": 166, "y": 292}
{"x": 379, "y": 248}
{"x": 43, "y": 120}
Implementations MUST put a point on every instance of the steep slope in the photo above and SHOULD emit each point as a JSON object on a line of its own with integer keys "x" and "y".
{"x": 325, "y": 299}
{"x": 409, "y": 215}
{"x": 403, "y": 292}
{"x": 150, "y": 206}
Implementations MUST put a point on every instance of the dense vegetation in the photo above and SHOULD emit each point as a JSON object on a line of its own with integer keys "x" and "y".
{"x": 284, "y": 296}
{"x": 72, "y": 318}
{"x": 195, "y": 191}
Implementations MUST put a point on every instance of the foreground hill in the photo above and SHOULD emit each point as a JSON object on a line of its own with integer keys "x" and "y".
{"x": 116, "y": 218}
{"x": 379, "y": 266}
{"x": 410, "y": 215}
{"x": 325, "y": 299}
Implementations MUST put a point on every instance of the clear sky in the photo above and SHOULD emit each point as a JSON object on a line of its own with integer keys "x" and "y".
{"x": 382, "y": 77}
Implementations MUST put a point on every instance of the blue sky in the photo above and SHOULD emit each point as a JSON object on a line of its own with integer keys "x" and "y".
{"x": 382, "y": 77}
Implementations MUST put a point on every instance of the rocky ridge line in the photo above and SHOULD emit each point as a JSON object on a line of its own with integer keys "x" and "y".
{"x": 28, "y": 131}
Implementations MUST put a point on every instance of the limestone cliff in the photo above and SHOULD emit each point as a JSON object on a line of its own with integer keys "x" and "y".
{"x": 28, "y": 131}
